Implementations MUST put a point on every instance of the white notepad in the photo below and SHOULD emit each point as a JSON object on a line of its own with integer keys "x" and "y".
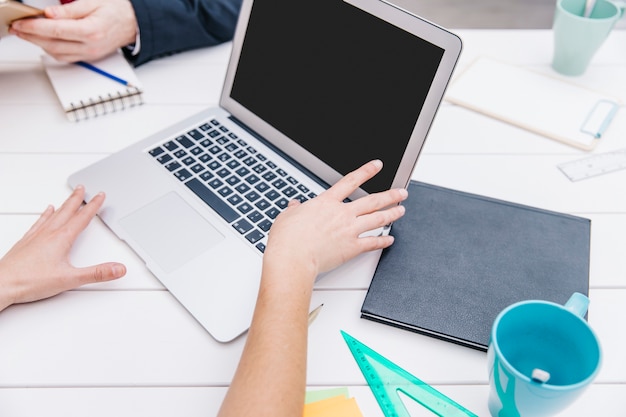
{"x": 546, "y": 105}
{"x": 86, "y": 94}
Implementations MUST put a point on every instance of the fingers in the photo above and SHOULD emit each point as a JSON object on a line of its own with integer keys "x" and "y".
{"x": 69, "y": 207}
{"x": 378, "y": 201}
{"x": 45, "y": 28}
{"x": 64, "y": 40}
{"x": 77, "y": 218}
{"x": 73, "y": 10}
{"x": 72, "y": 216}
{"x": 353, "y": 180}
{"x": 293, "y": 203}
{"x": 74, "y": 201}
{"x": 59, "y": 217}
{"x": 371, "y": 243}
{"x": 40, "y": 221}
{"x": 367, "y": 210}
{"x": 378, "y": 219}
{"x": 98, "y": 273}
{"x": 63, "y": 27}
{"x": 88, "y": 211}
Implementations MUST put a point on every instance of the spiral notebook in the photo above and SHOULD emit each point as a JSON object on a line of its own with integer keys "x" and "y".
{"x": 85, "y": 94}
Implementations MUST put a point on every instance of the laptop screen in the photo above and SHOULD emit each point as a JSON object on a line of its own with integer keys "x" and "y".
{"x": 344, "y": 85}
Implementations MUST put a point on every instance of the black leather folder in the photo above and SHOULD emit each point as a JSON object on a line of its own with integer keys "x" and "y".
{"x": 459, "y": 259}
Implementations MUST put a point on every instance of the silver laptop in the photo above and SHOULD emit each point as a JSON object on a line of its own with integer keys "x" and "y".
{"x": 313, "y": 90}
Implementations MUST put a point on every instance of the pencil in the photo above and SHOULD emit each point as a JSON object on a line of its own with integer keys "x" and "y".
{"x": 313, "y": 314}
{"x": 104, "y": 73}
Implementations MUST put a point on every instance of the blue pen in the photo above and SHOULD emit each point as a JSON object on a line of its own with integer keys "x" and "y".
{"x": 104, "y": 73}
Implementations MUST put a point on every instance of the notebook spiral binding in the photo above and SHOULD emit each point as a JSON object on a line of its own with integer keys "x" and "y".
{"x": 123, "y": 100}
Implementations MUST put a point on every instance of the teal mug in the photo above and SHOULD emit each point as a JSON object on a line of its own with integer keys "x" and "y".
{"x": 576, "y": 37}
{"x": 541, "y": 357}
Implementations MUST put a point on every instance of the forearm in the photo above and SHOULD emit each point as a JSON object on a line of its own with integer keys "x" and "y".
{"x": 171, "y": 26}
{"x": 271, "y": 377}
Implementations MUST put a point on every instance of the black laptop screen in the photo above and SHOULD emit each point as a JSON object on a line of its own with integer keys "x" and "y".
{"x": 345, "y": 85}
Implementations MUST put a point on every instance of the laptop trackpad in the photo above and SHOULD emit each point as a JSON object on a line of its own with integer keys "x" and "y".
{"x": 170, "y": 231}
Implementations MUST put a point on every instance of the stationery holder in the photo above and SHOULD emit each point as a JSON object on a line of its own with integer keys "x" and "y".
{"x": 540, "y": 103}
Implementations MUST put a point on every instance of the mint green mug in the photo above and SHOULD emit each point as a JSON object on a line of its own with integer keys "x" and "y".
{"x": 577, "y": 38}
{"x": 541, "y": 357}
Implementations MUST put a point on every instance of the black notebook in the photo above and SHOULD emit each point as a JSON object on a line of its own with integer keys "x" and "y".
{"x": 459, "y": 259}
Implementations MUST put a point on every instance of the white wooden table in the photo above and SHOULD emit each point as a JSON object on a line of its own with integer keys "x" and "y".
{"x": 127, "y": 348}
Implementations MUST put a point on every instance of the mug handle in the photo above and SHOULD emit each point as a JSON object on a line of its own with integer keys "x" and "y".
{"x": 578, "y": 304}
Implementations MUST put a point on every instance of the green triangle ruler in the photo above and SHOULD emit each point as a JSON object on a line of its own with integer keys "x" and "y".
{"x": 386, "y": 380}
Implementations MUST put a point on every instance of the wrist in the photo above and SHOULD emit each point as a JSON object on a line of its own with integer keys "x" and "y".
{"x": 6, "y": 298}
{"x": 286, "y": 273}
{"x": 135, "y": 45}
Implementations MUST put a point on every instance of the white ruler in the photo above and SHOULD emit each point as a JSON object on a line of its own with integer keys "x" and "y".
{"x": 594, "y": 165}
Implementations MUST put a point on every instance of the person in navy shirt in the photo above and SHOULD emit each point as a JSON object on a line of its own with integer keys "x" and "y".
{"x": 87, "y": 30}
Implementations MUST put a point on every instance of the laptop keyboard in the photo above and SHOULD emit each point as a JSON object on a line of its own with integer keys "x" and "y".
{"x": 246, "y": 188}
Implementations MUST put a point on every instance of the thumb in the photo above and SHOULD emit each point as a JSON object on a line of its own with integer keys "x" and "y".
{"x": 99, "y": 273}
{"x": 73, "y": 10}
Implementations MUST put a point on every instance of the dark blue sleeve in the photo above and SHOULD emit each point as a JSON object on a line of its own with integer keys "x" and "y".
{"x": 170, "y": 26}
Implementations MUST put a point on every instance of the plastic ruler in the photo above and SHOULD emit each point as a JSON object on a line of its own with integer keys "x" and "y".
{"x": 594, "y": 165}
{"x": 386, "y": 380}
